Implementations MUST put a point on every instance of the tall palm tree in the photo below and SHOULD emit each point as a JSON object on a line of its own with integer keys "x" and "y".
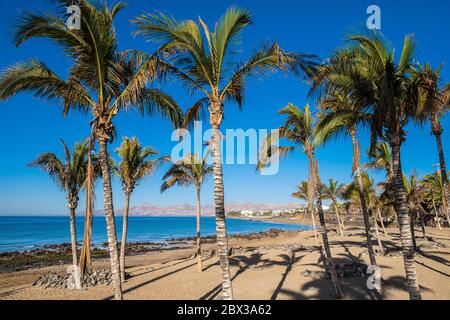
{"x": 380, "y": 159}
{"x": 351, "y": 193}
{"x": 333, "y": 191}
{"x": 191, "y": 170}
{"x": 388, "y": 96}
{"x": 298, "y": 129}
{"x": 433, "y": 194}
{"x": 203, "y": 61}
{"x": 415, "y": 195}
{"x": 70, "y": 176}
{"x": 102, "y": 81}
{"x": 324, "y": 231}
{"x": 134, "y": 166}
{"x": 338, "y": 112}
{"x": 440, "y": 99}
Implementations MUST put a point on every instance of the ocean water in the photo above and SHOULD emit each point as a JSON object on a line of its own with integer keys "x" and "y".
{"x": 28, "y": 233}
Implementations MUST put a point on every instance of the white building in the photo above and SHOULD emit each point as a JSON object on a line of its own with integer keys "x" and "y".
{"x": 247, "y": 213}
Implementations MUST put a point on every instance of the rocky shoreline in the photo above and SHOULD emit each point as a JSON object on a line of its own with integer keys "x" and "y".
{"x": 60, "y": 254}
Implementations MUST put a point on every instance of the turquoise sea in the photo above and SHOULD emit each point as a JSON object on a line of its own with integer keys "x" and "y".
{"x": 28, "y": 233}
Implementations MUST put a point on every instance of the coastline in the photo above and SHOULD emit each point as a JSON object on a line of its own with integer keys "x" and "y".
{"x": 278, "y": 266}
{"x": 57, "y": 254}
{"x": 21, "y": 234}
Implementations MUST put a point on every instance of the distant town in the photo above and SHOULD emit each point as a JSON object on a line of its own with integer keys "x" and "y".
{"x": 270, "y": 213}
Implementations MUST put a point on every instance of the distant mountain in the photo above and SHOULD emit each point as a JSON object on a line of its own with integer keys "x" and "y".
{"x": 149, "y": 210}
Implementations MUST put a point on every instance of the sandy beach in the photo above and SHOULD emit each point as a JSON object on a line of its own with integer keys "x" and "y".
{"x": 280, "y": 268}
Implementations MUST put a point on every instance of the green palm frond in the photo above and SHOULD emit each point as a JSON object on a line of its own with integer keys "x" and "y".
{"x": 367, "y": 73}
{"x": 203, "y": 60}
{"x": 191, "y": 170}
{"x": 302, "y": 191}
{"x": 380, "y": 158}
{"x": 333, "y": 191}
{"x": 297, "y": 129}
{"x": 195, "y": 113}
{"x": 69, "y": 174}
{"x": 36, "y": 77}
{"x": 135, "y": 163}
{"x": 102, "y": 79}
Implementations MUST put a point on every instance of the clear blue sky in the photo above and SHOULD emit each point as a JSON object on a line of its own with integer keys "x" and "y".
{"x": 29, "y": 126}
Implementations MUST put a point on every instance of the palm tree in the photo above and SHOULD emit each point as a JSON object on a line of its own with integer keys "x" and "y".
{"x": 433, "y": 193}
{"x": 324, "y": 232}
{"x": 388, "y": 97}
{"x": 415, "y": 195}
{"x": 102, "y": 81}
{"x": 351, "y": 193}
{"x": 440, "y": 101}
{"x": 381, "y": 158}
{"x": 298, "y": 129}
{"x": 203, "y": 62}
{"x": 333, "y": 192}
{"x": 303, "y": 193}
{"x": 70, "y": 175}
{"x": 338, "y": 112}
{"x": 191, "y": 170}
{"x": 134, "y": 166}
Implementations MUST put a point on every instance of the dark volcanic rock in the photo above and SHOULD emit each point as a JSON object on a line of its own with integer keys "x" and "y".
{"x": 96, "y": 277}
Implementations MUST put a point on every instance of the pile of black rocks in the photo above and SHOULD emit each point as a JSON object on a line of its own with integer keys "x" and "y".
{"x": 93, "y": 278}
{"x": 343, "y": 270}
{"x": 433, "y": 245}
{"x": 282, "y": 247}
{"x": 234, "y": 251}
{"x": 350, "y": 270}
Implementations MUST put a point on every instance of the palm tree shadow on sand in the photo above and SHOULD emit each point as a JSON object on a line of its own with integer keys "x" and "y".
{"x": 354, "y": 288}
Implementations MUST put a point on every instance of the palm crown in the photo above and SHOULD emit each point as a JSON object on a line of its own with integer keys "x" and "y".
{"x": 191, "y": 170}
{"x": 135, "y": 164}
{"x": 302, "y": 191}
{"x": 351, "y": 192}
{"x": 202, "y": 59}
{"x": 68, "y": 173}
{"x": 433, "y": 185}
{"x": 387, "y": 94}
{"x": 102, "y": 79}
{"x": 298, "y": 129}
{"x": 333, "y": 190}
{"x": 380, "y": 158}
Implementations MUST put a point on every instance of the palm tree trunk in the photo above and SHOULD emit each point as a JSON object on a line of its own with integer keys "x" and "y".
{"x": 422, "y": 222}
{"x": 437, "y": 131}
{"x": 85, "y": 254}
{"x": 110, "y": 223}
{"x": 413, "y": 229}
{"x": 222, "y": 241}
{"x": 436, "y": 212}
{"x": 311, "y": 191}
{"x": 341, "y": 230}
{"x": 377, "y": 233}
{"x": 73, "y": 238}
{"x": 304, "y": 217}
{"x": 381, "y": 221}
{"x": 123, "y": 243}
{"x": 324, "y": 232}
{"x": 403, "y": 220}
{"x": 313, "y": 220}
{"x": 365, "y": 212}
{"x": 199, "y": 239}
